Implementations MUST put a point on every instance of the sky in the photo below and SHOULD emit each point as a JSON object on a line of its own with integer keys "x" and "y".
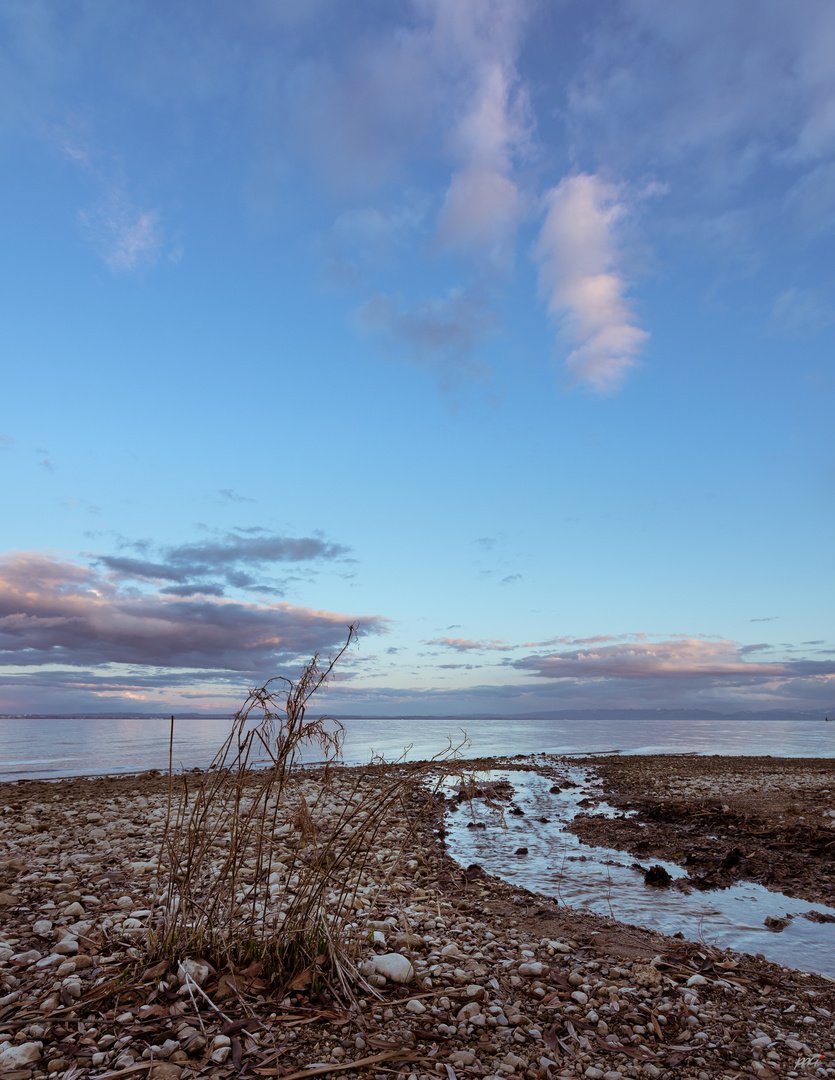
{"x": 502, "y": 329}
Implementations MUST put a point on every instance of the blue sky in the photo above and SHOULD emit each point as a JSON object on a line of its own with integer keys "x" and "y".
{"x": 503, "y": 328}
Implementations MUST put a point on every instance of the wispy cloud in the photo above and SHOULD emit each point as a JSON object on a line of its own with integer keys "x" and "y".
{"x": 469, "y": 645}
{"x": 46, "y": 461}
{"x": 233, "y": 496}
{"x": 799, "y": 313}
{"x": 211, "y": 567}
{"x": 440, "y": 334}
{"x": 126, "y": 236}
{"x": 582, "y": 281}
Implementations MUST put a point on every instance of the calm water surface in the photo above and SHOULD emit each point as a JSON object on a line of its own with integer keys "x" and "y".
{"x": 31, "y": 749}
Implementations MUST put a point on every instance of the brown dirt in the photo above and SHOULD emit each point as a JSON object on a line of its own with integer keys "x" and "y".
{"x": 724, "y": 819}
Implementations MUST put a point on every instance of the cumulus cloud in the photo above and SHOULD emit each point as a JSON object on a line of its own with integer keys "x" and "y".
{"x": 581, "y": 280}
{"x": 60, "y": 612}
{"x": 483, "y": 206}
{"x": 211, "y": 566}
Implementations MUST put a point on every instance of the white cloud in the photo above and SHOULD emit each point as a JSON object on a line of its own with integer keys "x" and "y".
{"x": 483, "y": 206}
{"x": 580, "y": 279}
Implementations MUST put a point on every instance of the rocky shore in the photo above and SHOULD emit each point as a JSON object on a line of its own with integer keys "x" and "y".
{"x": 472, "y": 977}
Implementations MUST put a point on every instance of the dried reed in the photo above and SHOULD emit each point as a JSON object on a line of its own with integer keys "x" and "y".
{"x": 250, "y": 873}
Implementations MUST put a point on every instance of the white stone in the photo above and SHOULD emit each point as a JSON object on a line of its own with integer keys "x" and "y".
{"x": 414, "y": 1006}
{"x": 19, "y": 1055}
{"x": 394, "y": 967}
{"x": 50, "y": 961}
{"x": 531, "y": 970}
{"x": 697, "y": 980}
{"x": 28, "y": 957}
{"x": 580, "y": 997}
{"x": 67, "y": 946}
{"x": 74, "y": 910}
{"x": 471, "y": 1009}
{"x": 42, "y": 927}
{"x": 195, "y": 970}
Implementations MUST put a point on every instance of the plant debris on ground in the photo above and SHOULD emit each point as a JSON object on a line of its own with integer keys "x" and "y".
{"x": 504, "y": 983}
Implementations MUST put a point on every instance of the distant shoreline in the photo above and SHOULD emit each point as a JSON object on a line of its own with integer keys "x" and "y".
{"x": 576, "y": 714}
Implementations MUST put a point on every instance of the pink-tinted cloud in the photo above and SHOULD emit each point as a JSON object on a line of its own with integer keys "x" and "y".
{"x": 468, "y": 645}
{"x": 482, "y": 207}
{"x": 643, "y": 659}
{"x": 583, "y": 284}
{"x": 60, "y": 612}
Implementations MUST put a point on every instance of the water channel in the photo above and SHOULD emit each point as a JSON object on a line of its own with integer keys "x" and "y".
{"x": 611, "y": 882}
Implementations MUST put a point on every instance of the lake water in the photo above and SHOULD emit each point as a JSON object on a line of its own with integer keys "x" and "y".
{"x": 31, "y": 749}
{"x": 577, "y": 875}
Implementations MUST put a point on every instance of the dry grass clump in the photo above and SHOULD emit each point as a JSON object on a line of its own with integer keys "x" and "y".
{"x": 265, "y": 864}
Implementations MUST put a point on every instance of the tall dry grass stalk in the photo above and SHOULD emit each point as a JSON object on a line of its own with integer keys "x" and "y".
{"x": 250, "y": 873}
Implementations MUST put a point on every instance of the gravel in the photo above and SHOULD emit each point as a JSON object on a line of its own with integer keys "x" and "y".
{"x": 476, "y": 977}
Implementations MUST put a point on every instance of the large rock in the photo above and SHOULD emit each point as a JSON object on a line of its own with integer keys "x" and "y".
{"x": 19, "y": 1056}
{"x": 394, "y": 967}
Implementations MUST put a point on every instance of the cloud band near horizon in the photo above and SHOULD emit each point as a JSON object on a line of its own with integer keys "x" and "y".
{"x": 61, "y": 612}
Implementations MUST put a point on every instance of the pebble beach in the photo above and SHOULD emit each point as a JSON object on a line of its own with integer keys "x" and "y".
{"x": 458, "y": 973}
